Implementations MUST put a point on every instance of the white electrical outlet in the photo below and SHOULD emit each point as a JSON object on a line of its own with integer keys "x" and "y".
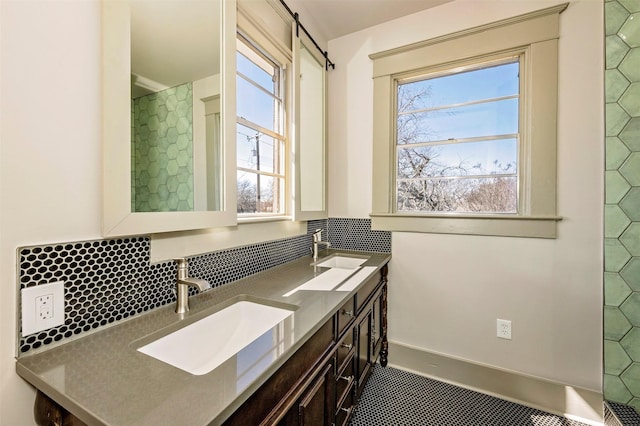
{"x": 504, "y": 329}
{"x": 42, "y": 307}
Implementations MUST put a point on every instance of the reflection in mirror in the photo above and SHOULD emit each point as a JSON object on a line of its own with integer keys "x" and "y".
{"x": 176, "y": 154}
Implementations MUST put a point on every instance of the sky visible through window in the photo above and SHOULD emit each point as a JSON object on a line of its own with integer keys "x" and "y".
{"x": 458, "y": 126}
{"x": 255, "y": 106}
{"x": 258, "y": 132}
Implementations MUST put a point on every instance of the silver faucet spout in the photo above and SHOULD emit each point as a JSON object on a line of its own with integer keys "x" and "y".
{"x": 183, "y": 283}
{"x": 199, "y": 283}
{"x": 317, "y": 236}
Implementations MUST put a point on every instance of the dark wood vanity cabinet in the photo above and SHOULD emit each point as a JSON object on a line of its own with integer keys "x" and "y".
{"x": 371, "y": 332}
{"x": 321, "y": 387}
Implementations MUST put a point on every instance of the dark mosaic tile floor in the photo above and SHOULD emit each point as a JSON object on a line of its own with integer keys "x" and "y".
{"x": 620, "y": 415}
{"x": 395, "y": 397}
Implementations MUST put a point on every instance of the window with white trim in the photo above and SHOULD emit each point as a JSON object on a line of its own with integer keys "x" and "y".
{"x": 464, "y": 131}
{"x": 260, "y": 138}
{"x": 457, "y": 139}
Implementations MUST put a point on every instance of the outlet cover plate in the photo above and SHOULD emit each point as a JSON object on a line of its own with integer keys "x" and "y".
{"x": 504, "y": 329}
{"x": 32, "y": 321}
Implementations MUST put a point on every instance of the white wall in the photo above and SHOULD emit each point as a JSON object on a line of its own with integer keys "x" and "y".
{"x": 50, "y": 159}
{"x": 446, "y": 291}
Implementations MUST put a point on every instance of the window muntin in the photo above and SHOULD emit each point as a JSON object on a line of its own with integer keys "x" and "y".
{"x": 260, "y": 135}
{"x": 457, "y": 140}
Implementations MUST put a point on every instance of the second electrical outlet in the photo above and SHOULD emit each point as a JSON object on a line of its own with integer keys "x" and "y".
{"x": 504, "y": 329}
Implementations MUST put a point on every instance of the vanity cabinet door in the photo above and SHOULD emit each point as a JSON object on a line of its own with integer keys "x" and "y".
{"x": 377, "y": 325}
{"x": 316, "y": 406}
{"x": 363, "y": 352}
{"x": 371, "y": 340}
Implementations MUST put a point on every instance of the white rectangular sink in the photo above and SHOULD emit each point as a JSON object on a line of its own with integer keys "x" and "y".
{"x": 342, "y": 262}
{"x": 326, "y": 281}
{"x": 202, "y": 346}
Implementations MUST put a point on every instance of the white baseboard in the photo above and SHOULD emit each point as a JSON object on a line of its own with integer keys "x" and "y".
{"x": 579, "y": 404}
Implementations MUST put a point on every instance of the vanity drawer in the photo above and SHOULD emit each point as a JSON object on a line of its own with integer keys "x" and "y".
{"x": 365, "y": 292}
{"x": 344, "y": 382}
{"x": 343, "y": 413}
{"x": 345, "y": 316}
{"x": 344, "y": 351}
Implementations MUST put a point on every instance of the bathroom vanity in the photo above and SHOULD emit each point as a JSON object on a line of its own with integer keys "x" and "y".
{"x": 320, "y": 383}
{"x": 308, "y": 370}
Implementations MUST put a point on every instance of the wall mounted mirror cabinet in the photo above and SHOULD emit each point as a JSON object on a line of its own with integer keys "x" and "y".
{"x": 168, "y": 91}
{"x": 310, "y": 129}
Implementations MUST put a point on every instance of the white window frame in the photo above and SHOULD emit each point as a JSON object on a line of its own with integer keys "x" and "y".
{"x": 278, "y": 136}
{"x": 534, "y": 34}
{"x": 258, "y": 32}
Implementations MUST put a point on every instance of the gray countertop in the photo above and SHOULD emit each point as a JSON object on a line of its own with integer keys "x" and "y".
{"x": 103, "y": 380}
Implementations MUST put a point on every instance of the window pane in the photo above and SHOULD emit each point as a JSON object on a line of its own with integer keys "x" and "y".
{"x": 259, "y": 193}
{"x": 257, "y": 74}
{"x": 486, "y": 83}
{"x": 269, "y": 200}
{"x": 247, "y": 192}
{"x": 258, "y": 151}
{"x": 464, "y": 162}
{"x": 260, "y": 110}
{"x": 463, "y": 195}
{"x": 479, "y": 120}
{"x": 257, "y": 106}
{"x": 459, "y": 159}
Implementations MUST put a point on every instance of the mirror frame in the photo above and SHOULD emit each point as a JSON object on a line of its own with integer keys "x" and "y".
{"x": 118, "y": 219}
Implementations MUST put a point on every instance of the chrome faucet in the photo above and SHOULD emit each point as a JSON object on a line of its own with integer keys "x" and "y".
{"x": 317, "y": 239}
{"x": 183, "y": 283}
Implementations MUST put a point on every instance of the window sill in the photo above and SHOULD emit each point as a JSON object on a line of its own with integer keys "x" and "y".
{"x": 465, "y": 224}
{"x": 260, "y": 219}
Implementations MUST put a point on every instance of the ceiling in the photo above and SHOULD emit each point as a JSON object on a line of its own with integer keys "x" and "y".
{"x": 335, "y": 18}
{"x": 172, "y": 41}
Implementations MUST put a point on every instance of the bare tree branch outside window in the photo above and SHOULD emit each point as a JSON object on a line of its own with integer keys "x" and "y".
{"x": 438, "y": 173}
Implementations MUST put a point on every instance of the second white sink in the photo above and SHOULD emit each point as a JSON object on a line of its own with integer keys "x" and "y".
{"x": 342, "y": 262}
{"x": 324, "y": 282}
{"x": 202, "y": 346}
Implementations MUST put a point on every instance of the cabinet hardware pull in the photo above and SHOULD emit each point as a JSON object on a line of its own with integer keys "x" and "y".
{"x": 347, "y": 410}
{"x": 346, "y": 346}
{"x": 347, "y": 378}
{"x": 347, "y": 313}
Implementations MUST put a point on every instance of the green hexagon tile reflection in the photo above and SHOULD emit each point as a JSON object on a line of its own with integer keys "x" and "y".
{"x": 162, "y": 152}
{"x": 622, "y": 203}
